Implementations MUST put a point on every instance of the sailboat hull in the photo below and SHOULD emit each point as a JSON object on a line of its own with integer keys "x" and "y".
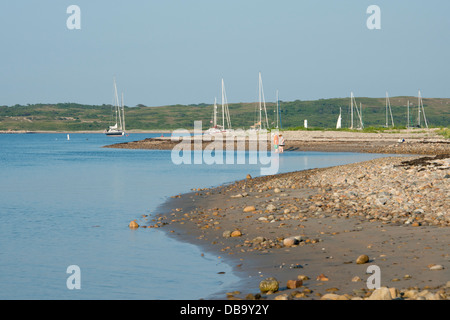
{"x": 118, "y": 133}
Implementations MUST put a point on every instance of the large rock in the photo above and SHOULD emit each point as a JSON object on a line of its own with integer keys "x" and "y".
{"x": 294, "y": 284}
{"x": 333, "y": 296}
{"x": 269, "y": 285}
{"x": 382, "y": 293}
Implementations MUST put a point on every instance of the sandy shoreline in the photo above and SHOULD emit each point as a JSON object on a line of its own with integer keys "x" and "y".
{"x": 395, "y": 210}
{"x": 407, "y": 239}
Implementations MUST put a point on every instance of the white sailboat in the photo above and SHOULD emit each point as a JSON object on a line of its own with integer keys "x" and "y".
{"x": 354, "y": 105}
{"x": 217, "y": 128}
{"x": 214, "y": 128}
{"x": 388, "y": 108}
{"x": 421, "y": 110}
{"x": 118, "y": 129}
{"x": 339, "y": 121}
{"x": 262, "y": 123}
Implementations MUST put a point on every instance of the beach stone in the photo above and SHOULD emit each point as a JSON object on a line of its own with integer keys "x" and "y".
{"x": 249, "y": 176}
{"x": 271, "y": 207}
{"x": 411, "y": 294}
{"x": 269, "y": 284}
{"x": 382, "y": 293}
{"x": 258, "y": 240}
{"x": 356, "y": 279}
{"x": 291, "y": 241}
{"x": 394, "y": 293}
{"x": 133, "y": 224}
{"x": 249, "y": 209}
{"x": 333, "y": 296}
{"x": 362, "y": 259}
{"x": 226, "y": 234}
{"x": 293, "y": 284}
{"x": 283, "y": 296}
{"x": 236, "y": 233}
{"x": 322, "y": 277}
{"x": 277, "y": 190}
{"x": 304, "y": 277}
{"x": 437, "y": 267}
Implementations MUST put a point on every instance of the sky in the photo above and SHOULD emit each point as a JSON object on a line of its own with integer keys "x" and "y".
{"x": 165, "y": 52}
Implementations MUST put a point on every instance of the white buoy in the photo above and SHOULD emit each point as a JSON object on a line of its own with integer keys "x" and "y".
{"x": 68, "y": 137}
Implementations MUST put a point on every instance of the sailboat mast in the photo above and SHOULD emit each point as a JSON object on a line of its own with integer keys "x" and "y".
{"x": 360, "y": 115}
{"x": 223, "y": 106}
{"x": 123, "y": 114}
{"x": 407, "y": 116}
{"x": 387, "y": 98}
{"x": 418, "y": 110}
{"x": 260, "y": 105}
{"x": 215, "y": 113}
{"x": 351, "y": 110}
{"x": 388, "y": 104}
{"x": 278, "y": 110}
{"x": 116, "y": 101}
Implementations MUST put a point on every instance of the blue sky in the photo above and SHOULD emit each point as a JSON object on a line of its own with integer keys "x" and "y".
{"x": 176, "y": 51}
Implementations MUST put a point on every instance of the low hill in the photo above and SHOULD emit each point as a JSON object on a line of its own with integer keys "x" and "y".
{"x": 322, "y": 113}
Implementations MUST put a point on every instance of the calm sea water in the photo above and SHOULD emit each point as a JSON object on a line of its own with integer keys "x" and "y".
{"x": 68, "y": 202}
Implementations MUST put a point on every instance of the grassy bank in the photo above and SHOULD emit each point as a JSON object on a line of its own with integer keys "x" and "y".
{"x": 320, "y": 114}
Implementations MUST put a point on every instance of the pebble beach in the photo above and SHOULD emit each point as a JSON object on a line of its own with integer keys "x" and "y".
{"x": 318, "y": 234}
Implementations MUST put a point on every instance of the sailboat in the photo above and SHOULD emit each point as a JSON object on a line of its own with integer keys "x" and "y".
{"x": 421, "y": 110}
{"x": 217, "y": 128}
{"x": 214, "y": 128}
{"x": 278, "y": 114}
{"x": 118, "y": 129}
{"x": 262, "y": 123}
{"x": 339, "y": 121}
{"x": 358, "y": 111}
{"x": 388, "y": 108}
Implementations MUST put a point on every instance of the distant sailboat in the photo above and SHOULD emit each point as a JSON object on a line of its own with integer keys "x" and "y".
{"x": 68, "y": 137}
{"x": 118, "y": 129}
{"x": 262, "y": 123}
{"x": 214, "y": 128}
{"x": 217, "y": 128}
{"x": 339, "y": 121}
{"x": 354, "y": 105}
{"x": 388, "y": 108}
{"x": 421, "y": 110}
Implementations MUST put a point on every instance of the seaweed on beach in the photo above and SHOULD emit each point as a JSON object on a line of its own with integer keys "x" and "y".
{"x": 424, "y": 161}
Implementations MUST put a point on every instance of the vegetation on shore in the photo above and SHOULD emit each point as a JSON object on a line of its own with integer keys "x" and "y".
{"x": 445, "y": 132}
{"x": 321, "y": 114}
